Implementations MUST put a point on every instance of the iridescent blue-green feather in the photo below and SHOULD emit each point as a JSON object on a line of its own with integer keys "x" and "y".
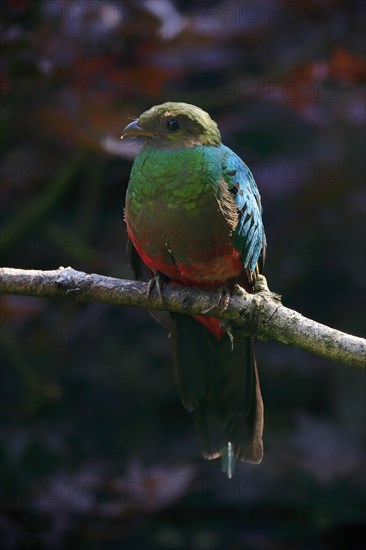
{"x": 249, "y": 237}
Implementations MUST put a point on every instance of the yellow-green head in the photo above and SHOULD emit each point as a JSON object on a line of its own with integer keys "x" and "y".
{"x": 175, "y": 124}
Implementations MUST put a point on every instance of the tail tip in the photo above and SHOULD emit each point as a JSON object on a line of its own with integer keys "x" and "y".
{"x": 228, "y": 460}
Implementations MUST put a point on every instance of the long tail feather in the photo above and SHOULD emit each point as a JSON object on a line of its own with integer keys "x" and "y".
{"x": 220, "y": 387}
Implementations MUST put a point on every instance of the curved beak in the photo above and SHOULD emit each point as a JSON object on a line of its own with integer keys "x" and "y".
{"x": 134, "y": 130}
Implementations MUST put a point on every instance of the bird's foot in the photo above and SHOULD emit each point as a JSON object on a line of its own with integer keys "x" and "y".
{"x": 222, "y": 301}
{"x": 156, "y": 282}
{"x": 239, "y": 290}
{"x": 260, "y": 284}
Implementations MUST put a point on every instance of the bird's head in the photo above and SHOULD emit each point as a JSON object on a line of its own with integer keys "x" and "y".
{"x": 175, "y": 124}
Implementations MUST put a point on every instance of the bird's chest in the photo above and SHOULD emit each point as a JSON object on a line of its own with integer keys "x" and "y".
{"x": 177, "y": 224}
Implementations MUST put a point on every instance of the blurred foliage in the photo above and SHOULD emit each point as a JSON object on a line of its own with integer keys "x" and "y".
{"x": 96, "y": 449}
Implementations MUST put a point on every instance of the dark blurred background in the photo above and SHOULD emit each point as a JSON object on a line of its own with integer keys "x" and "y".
{"x": 96, "y": 448}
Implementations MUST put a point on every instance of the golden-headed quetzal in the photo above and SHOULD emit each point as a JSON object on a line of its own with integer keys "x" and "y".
{"x": 194, "y": 217}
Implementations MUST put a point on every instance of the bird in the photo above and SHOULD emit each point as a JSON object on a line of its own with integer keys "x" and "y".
{"x": 194, "y": 218}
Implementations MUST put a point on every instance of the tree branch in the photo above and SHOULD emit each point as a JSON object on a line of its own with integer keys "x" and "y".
{"x": 260, "y": 315}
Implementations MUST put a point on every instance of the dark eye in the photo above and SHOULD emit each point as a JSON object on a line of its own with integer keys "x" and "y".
{"x": 172, "y": 124}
